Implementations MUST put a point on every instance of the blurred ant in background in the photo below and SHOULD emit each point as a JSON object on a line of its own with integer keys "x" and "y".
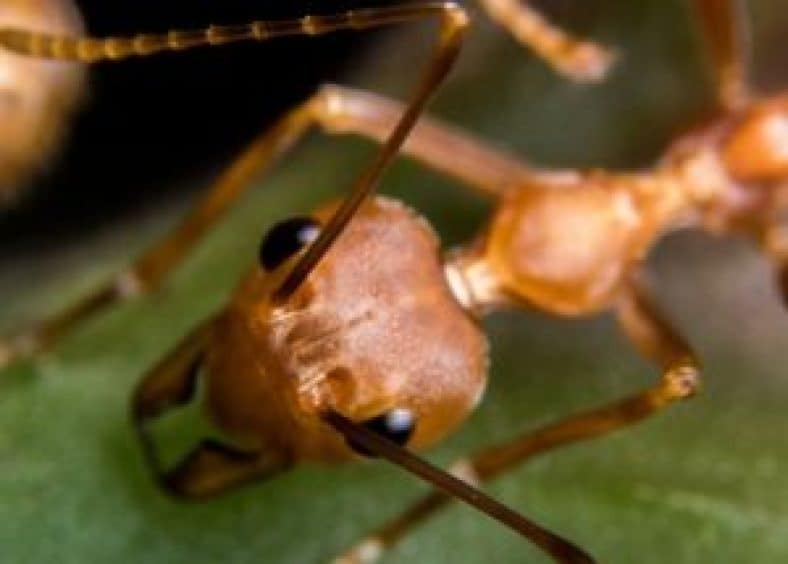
{"x": 37, "y": 97}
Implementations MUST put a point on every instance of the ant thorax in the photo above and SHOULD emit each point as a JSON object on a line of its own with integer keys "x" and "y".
{"x": 566, "y": 245}
{"x": 374, "y": 328}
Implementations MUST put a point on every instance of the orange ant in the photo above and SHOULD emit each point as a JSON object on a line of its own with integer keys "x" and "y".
{"x": 353, "y": 336}
{"x": 359, "y": 400}
{"x": 37, "y": 98}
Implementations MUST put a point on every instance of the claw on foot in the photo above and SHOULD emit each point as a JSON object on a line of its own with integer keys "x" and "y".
{"x": 587, "y": 62}
{"x": 367, "y": 551}
{"x": 683, "y": 381}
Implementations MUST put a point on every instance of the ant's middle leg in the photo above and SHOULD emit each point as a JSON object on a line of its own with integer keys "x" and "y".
{"x": 336, "y": 110}
{"x": 652, "y": 335}
{"x": 147, "y": 273}
{"x": 483, "y": 168}
{"x": 581, "y": 61}
{"x": 724, "y": 25}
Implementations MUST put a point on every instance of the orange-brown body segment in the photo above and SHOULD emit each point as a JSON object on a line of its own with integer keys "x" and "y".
{"x": 566, "y": 247}
{"x": 566, "y": 243}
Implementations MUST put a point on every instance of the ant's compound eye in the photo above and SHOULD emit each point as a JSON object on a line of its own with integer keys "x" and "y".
{"x": 285, "y": 239}
{"x": 396, "y": 425}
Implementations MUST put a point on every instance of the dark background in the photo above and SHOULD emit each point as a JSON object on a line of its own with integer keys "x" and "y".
{"x": 168, "y": 118}
{"x": 154, "y": 127}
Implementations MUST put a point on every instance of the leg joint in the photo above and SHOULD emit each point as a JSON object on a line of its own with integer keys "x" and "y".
{"x": 683, "y": 378}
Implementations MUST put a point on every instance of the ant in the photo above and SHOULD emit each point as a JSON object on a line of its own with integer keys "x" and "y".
{"x": 37, "y": 97}
{"x": 354, "y": 336}
{"x": 337, "y": 407}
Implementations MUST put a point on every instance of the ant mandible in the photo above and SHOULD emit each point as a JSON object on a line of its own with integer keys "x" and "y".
{"x": 572, "y": 243}
{"x": 362, "y": 343}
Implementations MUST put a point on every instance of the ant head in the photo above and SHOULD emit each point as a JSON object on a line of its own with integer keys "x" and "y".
{"x": 36, "y": 97}
{"x": 373, "y": 333}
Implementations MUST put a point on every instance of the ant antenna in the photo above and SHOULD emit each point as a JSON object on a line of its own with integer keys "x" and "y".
{"x": 560, "y": 549}
{"x": 453, "y": 25}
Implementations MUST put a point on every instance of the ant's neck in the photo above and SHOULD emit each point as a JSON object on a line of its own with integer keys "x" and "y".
{"x": 472, "y": 282}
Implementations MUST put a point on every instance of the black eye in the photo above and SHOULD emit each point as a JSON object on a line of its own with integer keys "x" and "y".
{"x": 396, "y": 425}
{"x": 285, "y": 239}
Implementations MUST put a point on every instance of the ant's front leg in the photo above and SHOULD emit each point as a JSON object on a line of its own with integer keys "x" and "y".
{"x": 724, "y": 26}
{"x": 150, "y": 270}
{"x": 337, "y": 110}
{"x": 652, "y": 335}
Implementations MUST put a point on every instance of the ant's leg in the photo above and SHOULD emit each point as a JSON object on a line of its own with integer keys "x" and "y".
{"x": 150, "y": 269}
{"x": 652, "y": 336}
{"x": 582, "y": 61}
{"x": 212, "y": 467}
{"x": 774, "y": 239}
{"x": 337, "y": 110}
{"x": 447, "y": 149}
{"x": 725, "y": 27}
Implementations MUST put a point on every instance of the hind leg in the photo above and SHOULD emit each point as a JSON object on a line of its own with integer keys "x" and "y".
{"x": 581, "y": 61}
{"x": 651, "y": 334}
